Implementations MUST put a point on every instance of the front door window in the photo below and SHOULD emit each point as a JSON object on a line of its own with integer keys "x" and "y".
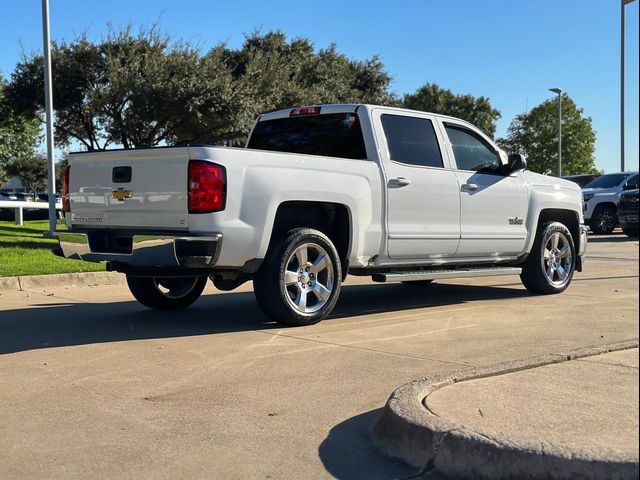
{"x": 471, "y": 152}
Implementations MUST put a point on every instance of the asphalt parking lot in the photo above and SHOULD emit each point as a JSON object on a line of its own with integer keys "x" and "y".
{"x": 92, "y": 385}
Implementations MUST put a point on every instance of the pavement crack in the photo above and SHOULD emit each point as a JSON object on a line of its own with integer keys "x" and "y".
{"x": 611, "y": 277}
{"x": 54, "y": 295}
{"x": 355, "y": 347}
{"x": 95, "y": 392}
{"x": 587, "y": 360}
{"x": 62, "y": 381}
{"x": 634, "y": 260}
{"x": 430, "y": 465}
{"x": 491, "y": 440}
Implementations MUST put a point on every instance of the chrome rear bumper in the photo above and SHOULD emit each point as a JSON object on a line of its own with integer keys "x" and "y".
{"x": 147, "y": 250}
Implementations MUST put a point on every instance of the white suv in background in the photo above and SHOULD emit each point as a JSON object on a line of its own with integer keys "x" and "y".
{"x": 601, "y": 199}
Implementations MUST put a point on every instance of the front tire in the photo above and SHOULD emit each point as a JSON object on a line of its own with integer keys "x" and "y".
{"x": 299, "y": 281}
{"x": 551, "y": 264}
{"x": 166, "y": 293}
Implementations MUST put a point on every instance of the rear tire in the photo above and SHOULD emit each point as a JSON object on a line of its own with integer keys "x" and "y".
{"x": 299, "y": 281}
{"x": 604, "y": 220}
{"x": 166, "y": 293}
{"x": 550, "y": 266}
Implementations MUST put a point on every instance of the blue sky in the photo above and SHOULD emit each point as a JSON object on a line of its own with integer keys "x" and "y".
{"x": 511, "y": 51}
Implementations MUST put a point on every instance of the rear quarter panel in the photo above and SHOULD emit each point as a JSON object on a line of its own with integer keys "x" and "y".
{"x": 259, "y": 181}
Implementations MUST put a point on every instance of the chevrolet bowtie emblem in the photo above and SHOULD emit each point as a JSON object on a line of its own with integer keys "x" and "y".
{"x": 121, "y": 194}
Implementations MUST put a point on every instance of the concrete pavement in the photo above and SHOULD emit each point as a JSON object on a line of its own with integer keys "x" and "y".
{"x": 94, "y": 385}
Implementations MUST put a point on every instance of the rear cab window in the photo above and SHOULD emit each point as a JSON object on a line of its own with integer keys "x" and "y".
{"x": 331, "y": 134}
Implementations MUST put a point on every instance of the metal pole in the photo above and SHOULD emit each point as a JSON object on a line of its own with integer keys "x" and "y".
{"x": 560, "y": 134}
{"x": 48, "y": 103}
{"x": 622, "y": 22}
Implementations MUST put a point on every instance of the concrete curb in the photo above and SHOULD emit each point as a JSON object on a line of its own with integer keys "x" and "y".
{"x": 38, "y": 282}
{"x": 407, "y": 430}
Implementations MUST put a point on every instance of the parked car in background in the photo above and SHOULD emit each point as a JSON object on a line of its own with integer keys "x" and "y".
{"x": 10, "y": 197}
{"x": 601, "y": 198}
{"x": 24, "y": 197}
{"x": 7, "y": 197}
{"x": 628, "y": 209}
{"x": 582, "y": 180}
{"x": 44, "y": 197}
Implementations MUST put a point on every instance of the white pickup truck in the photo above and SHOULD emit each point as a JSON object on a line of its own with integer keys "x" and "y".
{"x": 320, "y": 192}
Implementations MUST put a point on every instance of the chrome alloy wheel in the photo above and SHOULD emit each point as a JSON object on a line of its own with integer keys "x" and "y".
{"x": 308, "y": 278}
{"x": 557, "y": 260}
{"x": 606, "y": 220}
{"x": 175, "y": 287}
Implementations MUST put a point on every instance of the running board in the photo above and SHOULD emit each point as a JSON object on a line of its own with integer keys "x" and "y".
{"x": 412, "y": 276}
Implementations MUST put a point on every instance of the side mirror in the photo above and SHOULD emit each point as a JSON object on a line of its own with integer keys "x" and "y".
{"x": 630, "y": 186}
{"x": 517, "y": 162}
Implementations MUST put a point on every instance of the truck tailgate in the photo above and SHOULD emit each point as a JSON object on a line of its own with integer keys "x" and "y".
{"x": 130, "y": 188}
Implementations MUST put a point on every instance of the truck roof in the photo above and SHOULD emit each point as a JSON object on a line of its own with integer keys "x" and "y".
{"x": 346, "y": 108}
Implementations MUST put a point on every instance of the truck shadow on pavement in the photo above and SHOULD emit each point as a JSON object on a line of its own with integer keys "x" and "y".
{"x": 49, "y": 325}
{"x": 348, "y": 452}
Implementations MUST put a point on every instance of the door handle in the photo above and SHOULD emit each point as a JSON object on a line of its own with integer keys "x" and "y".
{"x": 470, "y": 187}
{"x": 399, "y": 182}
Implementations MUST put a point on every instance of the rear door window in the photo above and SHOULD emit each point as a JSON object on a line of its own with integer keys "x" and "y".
{"x": 331, "y": 135}
{"x": 412, "y": 140}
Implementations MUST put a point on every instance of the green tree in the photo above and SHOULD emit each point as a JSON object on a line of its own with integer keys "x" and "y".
{"x": 127, "y": 89}
{"x": 31, "y": 171}
{"x": 140, "y": 89}
{"x": 535, "y": 134}
{"x": 435, "y": 99}
{"x": 268, "y": 73}
{"x": 18, "y": 135}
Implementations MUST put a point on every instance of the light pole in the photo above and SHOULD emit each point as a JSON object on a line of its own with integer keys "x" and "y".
{"x": 559, "y": 92}
{"x": 48, "y": 106}
{"x": 622, "y": 22}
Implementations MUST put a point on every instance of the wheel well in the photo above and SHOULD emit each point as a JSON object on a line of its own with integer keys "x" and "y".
{"x": 567, "y": 217}
{"x": 332, "y": 219}
{"x": 606, "y": 205}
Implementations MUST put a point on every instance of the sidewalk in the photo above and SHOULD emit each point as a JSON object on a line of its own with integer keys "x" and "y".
{"x": 573, "y": 419}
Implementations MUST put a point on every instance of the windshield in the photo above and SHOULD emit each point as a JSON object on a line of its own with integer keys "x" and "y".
{"x": 331, "y": 135}
{"x": 581, "y": 180}
{"x": 607, "y": 181}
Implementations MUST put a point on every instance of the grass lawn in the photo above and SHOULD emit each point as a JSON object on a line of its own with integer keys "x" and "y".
{"x": 24, "y": 251}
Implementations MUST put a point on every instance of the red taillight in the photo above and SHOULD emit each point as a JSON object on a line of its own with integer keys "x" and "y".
{"x": 66, "y": 206}
{"x": 296, "y": 112}
{"x": 207, "y": 187}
